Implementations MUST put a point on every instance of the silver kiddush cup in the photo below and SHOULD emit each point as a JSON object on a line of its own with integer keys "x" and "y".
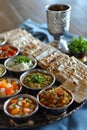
{"x": 58, "y": 21}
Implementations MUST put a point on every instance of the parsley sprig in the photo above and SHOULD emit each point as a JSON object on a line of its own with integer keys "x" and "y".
{"x": 21, "y": 59}
{"x": 78, "y": 45}
{"x": 36, "y": 78}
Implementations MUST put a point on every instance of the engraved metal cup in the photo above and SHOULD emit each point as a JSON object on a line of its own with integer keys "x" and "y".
{"x": 58, "y": 21}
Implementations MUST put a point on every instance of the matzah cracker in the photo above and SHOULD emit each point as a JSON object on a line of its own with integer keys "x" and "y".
{"x": 78, "y": 87}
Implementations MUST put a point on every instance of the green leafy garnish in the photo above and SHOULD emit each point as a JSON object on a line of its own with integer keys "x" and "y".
{"x": 36, "y": 78}
{"x": 78, "y": 45}
{"x": 1, "y": 40}
{"x": 21, "y": 59}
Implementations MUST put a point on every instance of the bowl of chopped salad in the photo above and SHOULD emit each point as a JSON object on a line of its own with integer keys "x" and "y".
{"x": 21, "y": 107}
{"x": 9, "y": 87}
{"x": 55, "y": 99}
{"x": 7, "y": 51}
{"x": 20, "y": 64}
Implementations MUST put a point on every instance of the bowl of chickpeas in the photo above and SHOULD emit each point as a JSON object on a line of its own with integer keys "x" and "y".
{"x": 55, "y": 99}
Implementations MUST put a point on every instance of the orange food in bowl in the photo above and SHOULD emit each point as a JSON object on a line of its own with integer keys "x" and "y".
{"x": 55, "y": 98}
{"x": 21, "y": 106}
{"x": 9, "y": 87}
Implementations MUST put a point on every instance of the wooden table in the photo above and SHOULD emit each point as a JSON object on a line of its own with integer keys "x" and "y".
{"x": 14, "y": 12}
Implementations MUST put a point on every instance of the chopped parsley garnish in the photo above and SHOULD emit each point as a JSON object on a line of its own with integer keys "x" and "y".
{"x": 36, "y": 78}
{"x": 21, "y": 59}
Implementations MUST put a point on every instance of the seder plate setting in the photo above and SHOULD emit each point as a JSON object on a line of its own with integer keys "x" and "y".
{"x": 38, "y": 119}
{"x": 42, "y": 116}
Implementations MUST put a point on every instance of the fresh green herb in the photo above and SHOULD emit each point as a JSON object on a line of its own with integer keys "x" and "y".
{"x": 1, "y": 40}
{"x": 36, "y": 78}
{"x": 21, "y": 59}
{"x": 78, "y": 45}
{"x": 28, "y": 100}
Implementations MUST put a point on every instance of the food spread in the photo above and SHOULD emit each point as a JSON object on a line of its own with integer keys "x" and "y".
{"x": 70, "y": 72}
{"x": 50, "y": 58}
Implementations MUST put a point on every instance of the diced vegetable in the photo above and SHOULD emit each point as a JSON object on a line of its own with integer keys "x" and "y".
{"x": 21, "y": 107}
{"x": 9, "y": 91}
{"x": 7, "y": 51}
{"x": 15, "y": 111}
{"x": 10, "y": 86}
{"x": 55, "y": 97}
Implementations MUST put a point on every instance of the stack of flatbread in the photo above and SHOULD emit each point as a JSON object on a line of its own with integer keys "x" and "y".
{"x": 78, "y": 87}
{"x": 69, "y": 71}
{"x": 18, "y": 37}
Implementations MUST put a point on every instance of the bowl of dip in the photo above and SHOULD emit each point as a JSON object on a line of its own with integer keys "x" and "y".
{"x": 37, "y": 79}
{"x": 2, "y": 70}
{"x": 20, "y": 64}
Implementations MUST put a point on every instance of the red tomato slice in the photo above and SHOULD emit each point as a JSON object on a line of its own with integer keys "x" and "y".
{"x": 5, "y": 48}
{"x": 12, "y": 52}
{"x": 0, "y": 48}
{"x": 9, "y": 91}
{"x": 7, "y": 55}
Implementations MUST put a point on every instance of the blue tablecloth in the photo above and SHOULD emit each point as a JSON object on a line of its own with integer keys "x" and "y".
{"x": 77, "y": 120}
